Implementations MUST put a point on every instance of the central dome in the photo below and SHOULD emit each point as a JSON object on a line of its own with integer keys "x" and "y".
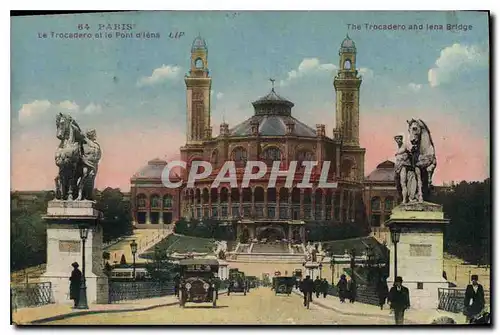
{"x": 272, "y": 104}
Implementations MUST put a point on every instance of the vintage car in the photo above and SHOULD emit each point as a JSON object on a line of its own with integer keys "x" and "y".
{"x": 198, "y": 281}
{"x": 283, "y": 285}
{"x": 237, "y": 283}
{"x": 253, "y": 282}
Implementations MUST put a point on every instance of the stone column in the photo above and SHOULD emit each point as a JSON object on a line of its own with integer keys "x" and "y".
{"x": 195, "y": 203}
{"x": 348, "y": 212}
{"x": 201, "y": 204}
{"x": 265, "y": 203}
{"x": 353, "y": 205}
{"x": 229, "y": 204}
{"x": 290, "y": 232}
{"x": 333, "y": 205}
{"x": 148, "y": 215}
{"x": 323, "y": 206}
{"x": 277, "y": 207}
{"x": 241, "y": 202}
{"x": 210, "y": 203}
{"x": 290, "y": 204}
{"x": 301, "y": 203}
{"x": 253, "y": 203}
{"x": 342, "y": 219}
{"x": 313, "y": 204}
{"x": 218, "y": 204}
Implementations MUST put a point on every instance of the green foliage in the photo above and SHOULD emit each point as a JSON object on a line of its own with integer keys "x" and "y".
{"x": 317, "y": 231}
{"x": 28, "y": 237}
{"x": 117, "y": 221}
{"x": 206, "y": 229}
{"x": 123, "y": 260}
{"x": 468, "y": 207}
{"x": 161, "y": 268}
{"x": 106, "y": 255}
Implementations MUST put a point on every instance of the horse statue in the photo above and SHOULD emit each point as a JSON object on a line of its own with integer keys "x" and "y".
{"x": 423, "y": 157}
{"x": 77, "y": 157}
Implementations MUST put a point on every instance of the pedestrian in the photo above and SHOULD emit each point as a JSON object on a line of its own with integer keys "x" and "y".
{"x": 342, "y": 288}
{"x": 399, "y": 297}
{"x": 353, "y": 290}
{"x": 307, "y": 287}
{"x": 474, "y": 299}
{"x": 382, "y": 291}
{"x": 324, "y": 287}
{"x": 317, "y": 286}
{"x": 75, "y": 283}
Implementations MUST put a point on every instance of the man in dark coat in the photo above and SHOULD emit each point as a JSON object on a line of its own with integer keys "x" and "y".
{"x": 474, "y": 298}
{"x": 75, "y": 283}
{"x": 352, "y": 288}
{"x": 307, "y": 287}
{"x": 342, "y": 288}
{"x": 399, "y": 298}
{"x": 382, "y": 291}
{"x": 324, "y": 287}
{"x": 317, "y": 286}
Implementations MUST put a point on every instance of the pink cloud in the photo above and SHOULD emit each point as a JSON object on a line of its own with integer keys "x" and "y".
{"x": 461, "y": 154}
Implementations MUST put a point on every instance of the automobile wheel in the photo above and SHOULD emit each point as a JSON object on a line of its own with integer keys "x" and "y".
{"x": 228, "y": 292}
{"x": 214, "y": 303}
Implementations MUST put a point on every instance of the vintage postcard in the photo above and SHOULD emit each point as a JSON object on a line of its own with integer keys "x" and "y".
{"x": 250, "y": 168}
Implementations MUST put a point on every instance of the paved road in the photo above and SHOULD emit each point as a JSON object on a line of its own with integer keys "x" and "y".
{"x": 260, "y": 306}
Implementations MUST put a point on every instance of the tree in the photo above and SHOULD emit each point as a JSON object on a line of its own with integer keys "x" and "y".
{"x": 117, "y": 221}
{"x": 123, "y": 260}
{"x": 161, "y": 268}
{"x": 468, "y": 206}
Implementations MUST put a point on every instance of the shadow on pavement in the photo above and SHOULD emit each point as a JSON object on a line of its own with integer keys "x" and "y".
{"x": 204, "y": 307}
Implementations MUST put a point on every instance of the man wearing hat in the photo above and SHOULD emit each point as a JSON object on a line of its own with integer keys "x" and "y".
{"x": 75, "y": 283}
{"x": 399, "y": 298}
{"x": 474, "y": 298}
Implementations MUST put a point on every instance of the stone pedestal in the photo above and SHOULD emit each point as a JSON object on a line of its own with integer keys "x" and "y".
{"x": 223, "y": 269}
{"x": 64, "y": 246}
{"x": 312, "y": 269}
{"x": 420, "y": 251}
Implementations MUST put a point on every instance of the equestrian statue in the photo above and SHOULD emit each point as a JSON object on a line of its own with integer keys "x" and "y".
{"x": 415, "y": 163}
{"x": 77, "y": 158}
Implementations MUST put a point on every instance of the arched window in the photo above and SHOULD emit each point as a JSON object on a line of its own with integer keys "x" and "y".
{"x": 198, "y": 63}
{"x": 239, "y": 156}
{"x": 167, "y": 201}
{"x": 304, "y": 156}
{"x": 347, "y": 64}
{"x": 375, "y": 204}
{"x": 389, "y": 203}
{"x": 141, "y": 200}
{"x": 215, "y": 157}
{"x": 155, "y": 201}
{"x": 271, "y": 154}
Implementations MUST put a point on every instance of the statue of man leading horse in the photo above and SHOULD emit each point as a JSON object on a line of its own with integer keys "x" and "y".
{"x": 77, "y": 157}
{"x": 415, "y": 162}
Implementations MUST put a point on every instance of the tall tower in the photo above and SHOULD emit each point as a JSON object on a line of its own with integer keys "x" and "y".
{"x": 198, "y": 84}
{"x": 347, "y": 85}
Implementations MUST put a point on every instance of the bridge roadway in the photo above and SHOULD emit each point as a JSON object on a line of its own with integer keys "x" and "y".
{"x": 259, "y": 307}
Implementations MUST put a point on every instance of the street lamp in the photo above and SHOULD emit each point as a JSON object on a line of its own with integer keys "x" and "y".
{"x": 353, "y": 261}
{"x": 133, "y": 247}
{"x": 395, "y": 235}
{"x": 320, "y": 268}
{"x": 332, "y": 265}
{"x": 82, "y": 301}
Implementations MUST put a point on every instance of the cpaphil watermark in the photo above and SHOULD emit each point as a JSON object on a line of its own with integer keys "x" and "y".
{"x": 254, "y": 170}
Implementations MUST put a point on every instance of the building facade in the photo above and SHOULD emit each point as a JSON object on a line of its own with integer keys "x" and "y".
{"x": 272, "y": 134}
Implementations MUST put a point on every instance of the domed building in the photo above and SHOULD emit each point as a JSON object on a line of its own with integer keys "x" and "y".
{"x": 272, "y": 134}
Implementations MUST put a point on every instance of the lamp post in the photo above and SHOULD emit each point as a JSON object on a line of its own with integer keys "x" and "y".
{"x": 133, "y": 248}
{"x": 320, "y": 268}
{"x": 82, "y": 301}
{"x": 332, "y": 266}
{"x": 353, "y": 261}
{"x": 395, "y": 235}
